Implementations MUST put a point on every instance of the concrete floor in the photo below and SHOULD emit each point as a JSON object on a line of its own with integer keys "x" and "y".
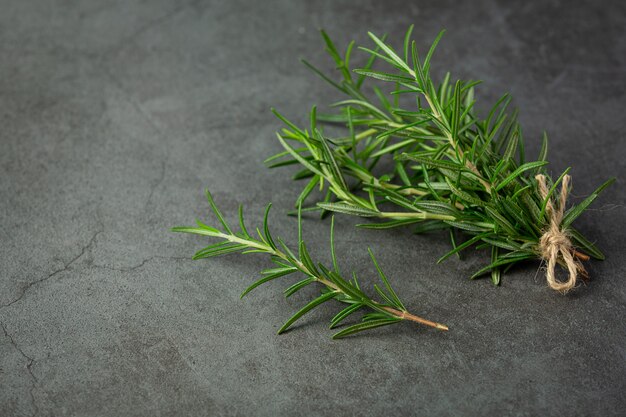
{"x": 115, "y": 115}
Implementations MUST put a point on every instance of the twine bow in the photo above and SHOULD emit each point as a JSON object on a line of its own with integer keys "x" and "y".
{"x": 555, "y": 241}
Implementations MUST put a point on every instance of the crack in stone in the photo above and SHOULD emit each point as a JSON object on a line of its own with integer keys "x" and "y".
{"x": 29, "y": 364}
{"x": 141, "y": 264}
{"x": 156, "y": 185}
{"x": 65, "y": 267}
{"x": 146, "y": 27}
{"x": 154, "y": 125}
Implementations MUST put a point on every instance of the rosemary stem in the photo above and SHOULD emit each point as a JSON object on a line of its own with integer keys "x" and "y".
{"x": 401, "y": 190}
{"x": 418, "y": 215}
{"x": 408, "y": 316}
{"x": 581, "y": 256}
{"x": 404, "y": 315}
{"x": 365, "y": 134}
{"x": 413, "y": 191}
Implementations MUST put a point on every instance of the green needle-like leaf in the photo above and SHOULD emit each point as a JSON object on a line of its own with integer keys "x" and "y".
{"x": 279, "y": 272}
{"x": 310, "y": 306}
{"x": 435, "y": 163}
{"x": 332, "y": 245}
{"x": 266, "y": 229}
{"x": 391, "y": 293}
{"x": 348, "y": 209}
{"x": 345, "y": 313}
{"x": 299, "y": 158}
{"x": 395, "y": 58}
{"x": 217, "y": 212}
{"x": 298, "y": 285}
{"x": 585, "y": 244}
{"x": 527, "y": 166}
{"x": 462, "y": 246}
{"x": 356, "y": 328}
{"x": 579, "y": 209}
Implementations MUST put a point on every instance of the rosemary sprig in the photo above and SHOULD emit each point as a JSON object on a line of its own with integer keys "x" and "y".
{"x": 450, "y": 169}
{"x": 390, "y": 310}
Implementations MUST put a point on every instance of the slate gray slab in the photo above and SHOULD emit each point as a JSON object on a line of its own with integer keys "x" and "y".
{"x": 115, "y": 115}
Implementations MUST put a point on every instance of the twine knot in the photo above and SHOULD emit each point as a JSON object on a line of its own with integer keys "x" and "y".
{"x": 555, "y": 242}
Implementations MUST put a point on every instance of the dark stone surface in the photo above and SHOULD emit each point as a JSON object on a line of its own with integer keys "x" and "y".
{"x": 114, "y": 115}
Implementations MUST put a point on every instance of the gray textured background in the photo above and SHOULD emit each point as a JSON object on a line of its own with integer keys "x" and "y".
{"x": 114, "y": 116}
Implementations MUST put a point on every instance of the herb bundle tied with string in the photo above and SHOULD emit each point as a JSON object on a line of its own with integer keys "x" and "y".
{"x": 447, "y": 169}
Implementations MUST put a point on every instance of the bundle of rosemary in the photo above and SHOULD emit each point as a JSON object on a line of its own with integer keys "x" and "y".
{"x": 435, "y": 163}
{"x": 450, "y": 169}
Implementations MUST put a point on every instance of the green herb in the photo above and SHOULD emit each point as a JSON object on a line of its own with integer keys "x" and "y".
{"x": 444, "y": 166}
{"x": 389, "y": 310}
{"x": 430, "y": 163}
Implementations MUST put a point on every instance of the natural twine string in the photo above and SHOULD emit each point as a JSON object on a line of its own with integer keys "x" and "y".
{"x": 555, "y": 241}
